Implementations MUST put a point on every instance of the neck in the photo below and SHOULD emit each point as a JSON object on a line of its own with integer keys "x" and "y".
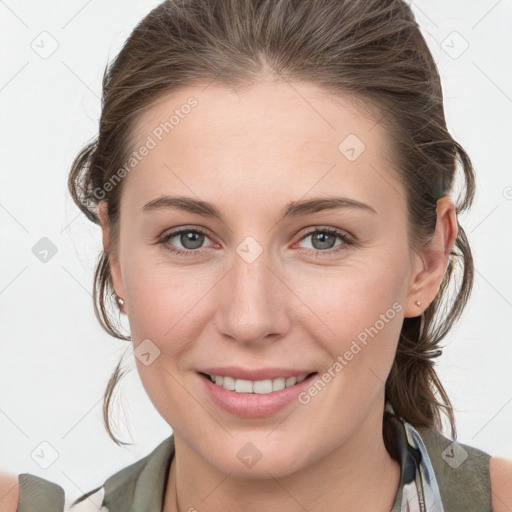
{"x": 358, "y": 475}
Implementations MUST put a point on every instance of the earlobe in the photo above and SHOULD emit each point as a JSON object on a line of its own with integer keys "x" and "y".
{"x": 431, "y": 265}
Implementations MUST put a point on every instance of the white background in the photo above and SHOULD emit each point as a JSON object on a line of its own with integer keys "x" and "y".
{"x": 55, "y": 360}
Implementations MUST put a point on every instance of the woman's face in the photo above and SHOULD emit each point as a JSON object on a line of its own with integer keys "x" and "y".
{"x": 294, "y": 259}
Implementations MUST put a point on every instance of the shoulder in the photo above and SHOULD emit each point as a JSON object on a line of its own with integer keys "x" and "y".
{"x": 9, "y": 492}
{"x": 467, "y": 473}
{"x": 500, "y": 471}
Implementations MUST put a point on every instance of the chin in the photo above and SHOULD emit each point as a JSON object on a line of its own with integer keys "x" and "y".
{"x": 258, "y": 459}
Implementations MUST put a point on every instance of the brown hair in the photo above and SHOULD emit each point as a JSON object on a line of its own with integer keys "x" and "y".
{"x": 370, "y": 50}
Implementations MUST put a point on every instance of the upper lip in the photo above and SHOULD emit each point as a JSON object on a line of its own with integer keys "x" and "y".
{"x": 255, "y": 374}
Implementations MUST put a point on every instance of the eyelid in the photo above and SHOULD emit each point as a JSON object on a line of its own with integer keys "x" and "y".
{"x": 172, "y": 232}
{"x": 302, "y": 234}
{"x": 347, "y": 241}
{"x": 331, "y": 229}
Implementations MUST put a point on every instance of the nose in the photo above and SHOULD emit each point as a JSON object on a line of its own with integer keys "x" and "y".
{"x": 252, "y": 301}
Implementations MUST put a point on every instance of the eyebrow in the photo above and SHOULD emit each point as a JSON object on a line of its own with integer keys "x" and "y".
{"x": 291, "y": 209}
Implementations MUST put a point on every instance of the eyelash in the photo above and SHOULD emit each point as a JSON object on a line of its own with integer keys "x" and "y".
{"x": 164, "y": 240}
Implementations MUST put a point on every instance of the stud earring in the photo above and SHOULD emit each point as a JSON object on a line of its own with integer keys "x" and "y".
{"x": 120, "y": 302}
{"x": 418, "y": 303}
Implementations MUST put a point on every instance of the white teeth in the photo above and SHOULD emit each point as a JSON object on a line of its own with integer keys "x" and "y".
{"x": 261, "y": 387}
{"x": 228, "y": 383}
{"x": 243, "y": 386}
{"x": 290, "y": 381}
{"x": 278, "y": 384}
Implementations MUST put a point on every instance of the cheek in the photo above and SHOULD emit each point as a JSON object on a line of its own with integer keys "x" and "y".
{"x": 164, "y": 304}
{"x": 357, "y": 314}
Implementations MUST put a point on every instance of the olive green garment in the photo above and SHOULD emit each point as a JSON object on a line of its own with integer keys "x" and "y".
{"x": 140, "y": 487}
{"x": 466, "y": 488}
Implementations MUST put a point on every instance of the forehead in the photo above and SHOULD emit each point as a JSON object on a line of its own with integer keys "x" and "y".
{"x": 279, "y": 138}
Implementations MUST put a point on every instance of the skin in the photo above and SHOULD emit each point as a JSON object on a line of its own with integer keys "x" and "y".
{"x": 296, "y": 305}
{"x": 9, "y": 492}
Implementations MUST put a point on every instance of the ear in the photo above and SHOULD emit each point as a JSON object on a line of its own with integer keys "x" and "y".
{"x": 115, "y": 268}
{"x": 430, "y": 266}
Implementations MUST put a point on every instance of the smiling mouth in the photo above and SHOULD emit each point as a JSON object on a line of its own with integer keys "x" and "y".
{"x": 261, "y": 387}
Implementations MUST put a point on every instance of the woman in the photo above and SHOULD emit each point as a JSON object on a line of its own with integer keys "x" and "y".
{"x": 272, "y": 180}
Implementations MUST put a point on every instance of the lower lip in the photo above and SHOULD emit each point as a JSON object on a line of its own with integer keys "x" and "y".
{"x": 253, "y": 405}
